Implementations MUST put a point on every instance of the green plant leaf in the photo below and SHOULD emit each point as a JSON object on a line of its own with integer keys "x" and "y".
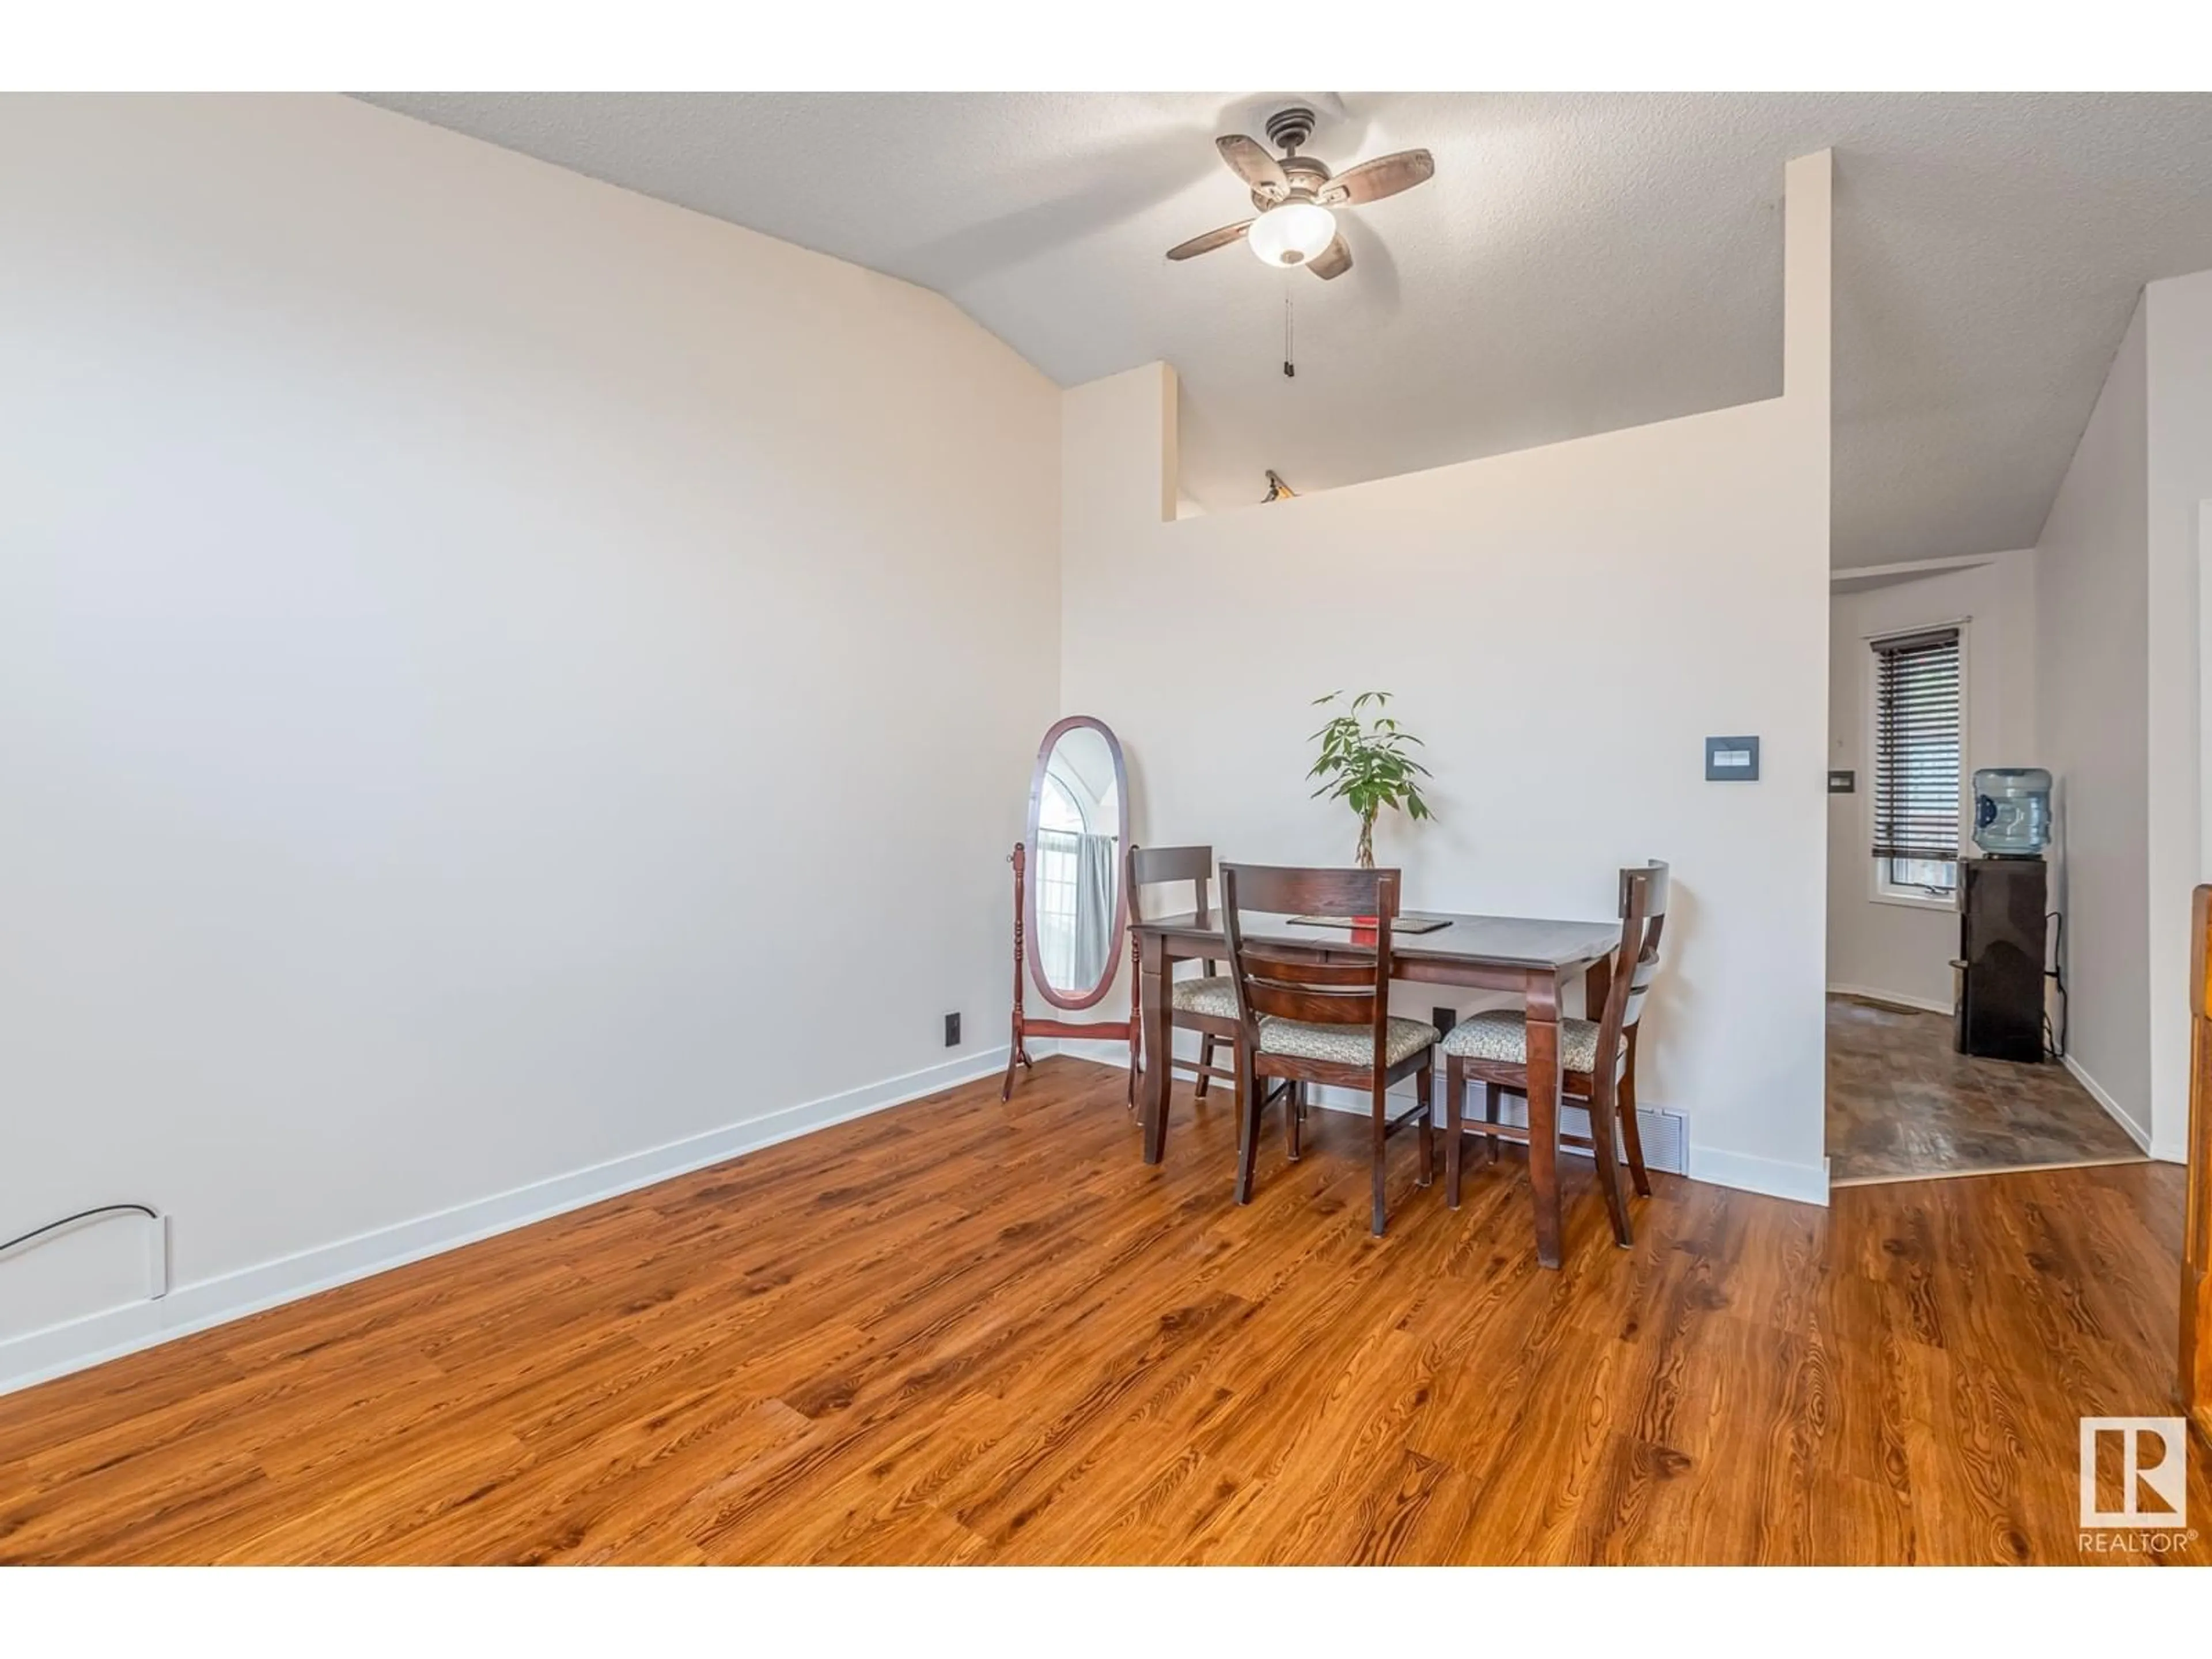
{"x": 1363, "y": 762}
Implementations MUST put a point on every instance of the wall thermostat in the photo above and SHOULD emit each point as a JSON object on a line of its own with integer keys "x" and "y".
{"x": 1732, "y": 760}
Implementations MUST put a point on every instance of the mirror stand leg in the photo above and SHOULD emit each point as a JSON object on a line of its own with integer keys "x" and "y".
{"x": 1016, "y": 1055}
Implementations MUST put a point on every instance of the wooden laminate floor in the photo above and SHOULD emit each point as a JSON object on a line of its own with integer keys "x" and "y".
{"x": 963, "y": 1332}
{"x": 1904, "y": 1103}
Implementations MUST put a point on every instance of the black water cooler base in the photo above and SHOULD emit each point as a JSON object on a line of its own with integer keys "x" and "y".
{"x": 2002, "y": 906}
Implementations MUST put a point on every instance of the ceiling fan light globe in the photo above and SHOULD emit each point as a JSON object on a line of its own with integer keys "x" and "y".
{"x": 1292, "y": 234}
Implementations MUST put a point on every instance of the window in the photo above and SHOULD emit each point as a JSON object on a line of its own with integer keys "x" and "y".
{"x": 1917, "y": 747}
{"x": 1060, "y": 825}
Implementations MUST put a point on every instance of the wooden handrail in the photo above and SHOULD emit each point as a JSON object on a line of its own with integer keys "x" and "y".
{"x": 2196, "y": 1233}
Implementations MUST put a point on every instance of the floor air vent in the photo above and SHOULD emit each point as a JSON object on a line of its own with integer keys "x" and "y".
{"x": 1666, "y": 1139}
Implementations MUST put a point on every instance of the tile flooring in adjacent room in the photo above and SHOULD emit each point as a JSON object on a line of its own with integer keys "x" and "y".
{"x": 1904, "y": 1104}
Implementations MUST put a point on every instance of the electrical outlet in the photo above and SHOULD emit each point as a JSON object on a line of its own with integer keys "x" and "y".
{"x": 952, "y": 1030}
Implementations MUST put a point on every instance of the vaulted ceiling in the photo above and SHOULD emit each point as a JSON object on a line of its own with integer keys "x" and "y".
{"x": 1582, "y": 262}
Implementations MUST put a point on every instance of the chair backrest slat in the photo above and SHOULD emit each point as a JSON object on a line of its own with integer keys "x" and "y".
{"x": 1268, "y": 961}
{"x": 1288, "y": 982}
{"x": 1288, "y": 890}
{"x": 1315, "y": 1007}
{"x": 1156, "y": 867}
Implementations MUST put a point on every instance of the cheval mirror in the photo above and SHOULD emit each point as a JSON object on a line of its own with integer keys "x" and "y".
{"x": 1071, "y": 912}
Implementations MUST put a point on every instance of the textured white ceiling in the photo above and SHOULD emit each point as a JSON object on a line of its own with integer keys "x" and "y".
{"x": 1581, "y": 263}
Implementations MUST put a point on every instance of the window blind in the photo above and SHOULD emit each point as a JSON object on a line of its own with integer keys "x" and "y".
{"x": 1916, "y": 747}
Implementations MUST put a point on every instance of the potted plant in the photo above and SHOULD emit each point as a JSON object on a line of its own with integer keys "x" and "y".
{"x": 1363, "y": 762}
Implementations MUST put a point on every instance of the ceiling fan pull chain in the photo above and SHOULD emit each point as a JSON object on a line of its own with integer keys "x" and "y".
{"x": 1290, "y": 367}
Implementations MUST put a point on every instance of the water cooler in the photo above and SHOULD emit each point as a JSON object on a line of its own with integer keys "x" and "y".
{"x": 2005, "y": 902}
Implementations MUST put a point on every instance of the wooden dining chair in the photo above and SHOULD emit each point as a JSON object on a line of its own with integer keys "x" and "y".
{"x": 1319, "y": 1013}
{"x": 1207, "y": 1003}
{"x": 1597, "y": 1060}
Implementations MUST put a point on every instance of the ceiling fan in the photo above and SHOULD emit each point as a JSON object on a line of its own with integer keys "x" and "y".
{"x": 1295, "y": 195}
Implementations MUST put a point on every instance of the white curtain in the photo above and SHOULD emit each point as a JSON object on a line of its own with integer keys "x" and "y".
{"x": 1096, "y": 859}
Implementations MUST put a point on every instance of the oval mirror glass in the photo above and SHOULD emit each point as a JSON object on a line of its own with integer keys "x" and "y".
{"x": 1078, "y": 824}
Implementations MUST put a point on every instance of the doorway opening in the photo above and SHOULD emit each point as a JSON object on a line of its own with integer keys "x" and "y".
{"x": 1945, "y": 1019}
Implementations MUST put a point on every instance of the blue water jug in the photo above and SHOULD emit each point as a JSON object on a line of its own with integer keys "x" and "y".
{"x": 2012, "y": 811}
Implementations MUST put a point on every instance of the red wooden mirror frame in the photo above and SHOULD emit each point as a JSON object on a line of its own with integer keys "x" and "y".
{"x": 1028, "y": 958}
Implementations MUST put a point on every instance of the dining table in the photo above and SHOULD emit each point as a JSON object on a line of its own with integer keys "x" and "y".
{"x": 1534, "y": 958}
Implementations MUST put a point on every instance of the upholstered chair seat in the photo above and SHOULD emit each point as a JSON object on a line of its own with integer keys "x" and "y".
{"x": 1501, "y": 1036}
{"x": 1214, "y": 997}
{"x": 1344, "y": 1045}
{"x": 1491, "y": 1048}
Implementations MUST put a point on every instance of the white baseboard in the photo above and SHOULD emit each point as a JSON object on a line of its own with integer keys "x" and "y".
{"x": 1800, "y": 1182}
{"x": 1804, "y": 1183}
{"x": 1927, "y": 1005}
{"x": 1110, "y": 1051}
{"x": 57, "y": 1350}
{"x": 1665, "y": 1134}
{"x": 2137, "y": 1133}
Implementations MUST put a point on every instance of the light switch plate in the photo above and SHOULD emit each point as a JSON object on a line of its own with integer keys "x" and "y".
{"x": 1732, "y": 760}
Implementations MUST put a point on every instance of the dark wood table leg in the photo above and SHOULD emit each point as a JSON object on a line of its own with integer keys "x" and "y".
{"x": 1153, "y": 1006}
{"x": 1543, "y": 1029}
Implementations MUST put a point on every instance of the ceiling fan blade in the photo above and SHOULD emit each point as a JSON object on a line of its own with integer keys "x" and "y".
{"x": 1211, "y": 241}
{"x": 1332, "y": 261}
{"x": 1250, "y": 162}
{"x": 1386, "y": 175}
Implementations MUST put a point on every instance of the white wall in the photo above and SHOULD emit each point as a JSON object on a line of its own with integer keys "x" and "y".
{"x": 460, "y": 626}
{"x": 1565, "y": 626}
{"x": 2178, "y": 479}
{"x": 2092, "y": 619}
{"x": 2124, "y": 635}
{"x": 1880, "y": 946}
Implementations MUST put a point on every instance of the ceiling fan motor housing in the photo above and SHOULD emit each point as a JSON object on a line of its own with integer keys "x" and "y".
{"x": 1288, "y": 129}
{"x": 1306, "y": 177}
